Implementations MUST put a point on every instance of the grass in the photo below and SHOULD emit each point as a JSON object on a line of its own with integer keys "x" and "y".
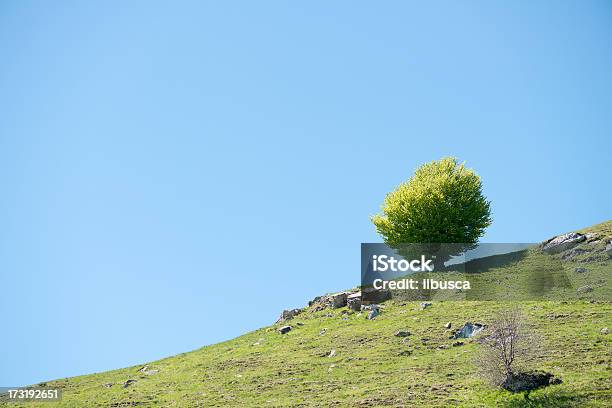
{"x": 372, "y": 367}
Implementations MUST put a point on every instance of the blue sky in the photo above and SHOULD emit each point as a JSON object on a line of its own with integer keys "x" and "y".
{"x": 174, "y": 174}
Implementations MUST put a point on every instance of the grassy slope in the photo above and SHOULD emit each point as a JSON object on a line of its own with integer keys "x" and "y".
{"x": 371, "y": 366}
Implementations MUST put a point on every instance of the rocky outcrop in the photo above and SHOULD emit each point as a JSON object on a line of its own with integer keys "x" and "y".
{"x": 563, "y": 242}
{"x": 288, "y": 314}
{"x": 334, "y": 300}
{"x": 353, "y": 301}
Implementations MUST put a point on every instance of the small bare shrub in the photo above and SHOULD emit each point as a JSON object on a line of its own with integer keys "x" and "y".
{"x": 508, "y": 349}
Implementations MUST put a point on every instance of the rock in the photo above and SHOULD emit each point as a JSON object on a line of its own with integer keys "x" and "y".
{"x": 285, "y": 329}
{"x": 338, "y": 300}
{"x": 563, "y": 242}
{"x": 128, "y": 383}
{"x": 288, "y": 314}
{"x": 457, "y": 344}
{"x": 609, "y": 249}
{"x": 442, "y": 346}
{"x": 373, "y": 313}
{"x": 332, "y": 353}
{"x": 468, "y": 330}
{"x": 146, "y": 371}
{"x": 405, "y": 352}
{"x": 581, "y": 270}
{"x": 425, "y": 305}
{"x": 555, "y": 316}
{"x": 572, "y": 253}
{"x": 604, "y": 330}
{"x": 402, "y": 333}
{"x": 335, "y": 300}
{"x": 448, "y": 325}
{"x": 584, "y": 289}
{"x": 353, "y": 301}
{"x": 108, "y": 385}
{"x": 529, "y": 381}
{"x": 322, "y": 332}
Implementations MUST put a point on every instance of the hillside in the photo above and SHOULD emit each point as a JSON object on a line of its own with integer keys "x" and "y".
{"x": 337, "y": 357}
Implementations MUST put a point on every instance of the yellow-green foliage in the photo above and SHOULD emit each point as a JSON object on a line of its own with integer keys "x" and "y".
{"x": 442, "y": 202}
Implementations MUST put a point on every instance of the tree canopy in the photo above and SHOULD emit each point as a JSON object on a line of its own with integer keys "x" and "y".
{"x": 441, "y": 203}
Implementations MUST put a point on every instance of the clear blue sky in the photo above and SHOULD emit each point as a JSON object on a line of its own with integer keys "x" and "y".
{"x": 175, "y": 174}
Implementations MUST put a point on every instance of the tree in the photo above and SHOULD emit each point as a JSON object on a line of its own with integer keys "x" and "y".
{"x": 441, "y": 203}
{"x": 508, "y": 349}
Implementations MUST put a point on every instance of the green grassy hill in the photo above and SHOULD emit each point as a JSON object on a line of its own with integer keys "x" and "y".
{"x": 336, "y": 357}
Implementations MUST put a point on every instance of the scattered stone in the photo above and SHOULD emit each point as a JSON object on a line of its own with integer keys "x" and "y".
{"x": 108, "y": 385}
{"x": 402, "y": 333}
{"x": 425, "y": 305}
{"x": 563, "y": 242}
{"x": 128, "y": 383}
{"x": 322, "y": 332}
{"x": 405, "y": 353}
{"x": 332, "y": 353}
{"x": 331, "y": 367}
{"x": 288, "y": 315}
{"x": 584, "y": 289}
{"x": 443, "y": 346}
{"x": 581, "y": 270}
{"x": 468, "y": 330}
{"x": 457, "y": 344}
{"x": 448, "y": 325}
{"x": 373, "y": 310}
{"x": 556, "y": 316}
{"x": 146, "y": 371}
{"x": 529, "y": 381}
{"x": 285, "y": 329}
{"x": 604, "y": 330}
